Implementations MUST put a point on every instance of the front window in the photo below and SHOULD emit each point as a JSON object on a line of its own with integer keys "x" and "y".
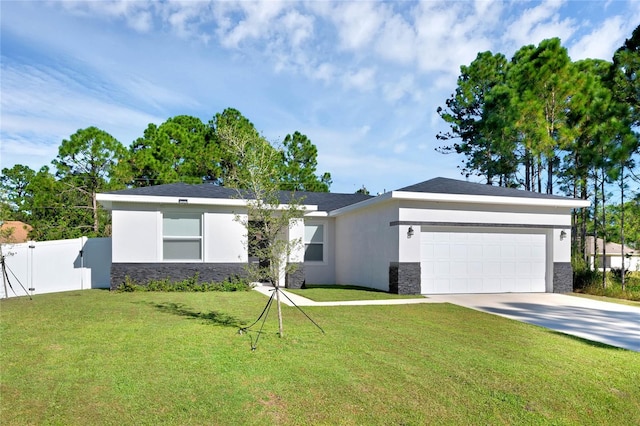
{"x": 314, "y": 243}
{"x": 182, "y": 236}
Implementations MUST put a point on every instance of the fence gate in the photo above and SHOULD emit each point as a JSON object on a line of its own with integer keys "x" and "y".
{"x": 53, "y": 266}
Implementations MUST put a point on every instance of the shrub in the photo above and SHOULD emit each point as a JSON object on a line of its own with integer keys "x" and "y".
{"x": 583, "y": 276}
{"x": 128, "y": 285}
{"x": 191, "y": 284}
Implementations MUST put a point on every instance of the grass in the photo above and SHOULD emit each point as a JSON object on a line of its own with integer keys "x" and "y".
{"x": 332, "y": 293}
{"x": 608, "y": 299}
{"x": 590, "y": 282}
{"x": 100, "y": 358}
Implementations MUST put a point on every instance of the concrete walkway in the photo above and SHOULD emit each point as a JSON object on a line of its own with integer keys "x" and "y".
{"x": 610, "y": 323}
{"x": 303, "y": 301}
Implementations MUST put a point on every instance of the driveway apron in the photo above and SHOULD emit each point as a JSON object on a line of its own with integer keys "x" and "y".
{"x": 610, "y": 323}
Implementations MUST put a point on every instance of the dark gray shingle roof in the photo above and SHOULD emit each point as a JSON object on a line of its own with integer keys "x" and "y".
{"x": 326, "y": 201}
{"x": 452, "y": 186}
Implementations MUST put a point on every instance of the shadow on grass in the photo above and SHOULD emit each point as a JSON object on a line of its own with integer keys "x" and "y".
{"x": 586, "y": 341}
{"x": 212, "y": 317}
{"x": 342, "y": 287}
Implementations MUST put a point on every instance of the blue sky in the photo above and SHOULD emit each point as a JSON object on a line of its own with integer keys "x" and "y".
{"x": 361, "y": 79}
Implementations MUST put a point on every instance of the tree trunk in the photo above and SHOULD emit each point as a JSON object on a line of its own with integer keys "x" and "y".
{"x": 280, "y": 327}
{"x": 604, "y": 236}
{"x": 595, "y": 220}
{"x": 584, "y": 214}
{"x": 527, "y": 170}
{"x": 550, "y": 176}
{"x": 622, "y": 224}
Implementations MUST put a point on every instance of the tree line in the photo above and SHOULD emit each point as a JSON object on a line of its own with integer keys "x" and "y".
{"x": 60, "y": 201}
{"x": 545, "y": 123}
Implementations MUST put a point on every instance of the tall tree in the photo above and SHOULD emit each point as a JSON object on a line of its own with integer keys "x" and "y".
{"x": 179, "y": 150}
{"x": 237, "y": 139}
{"x": 626, "y": 75}
{"x": 543, "y": 78}
{"x": 298, "y": 166}
{"x": 14, "y": 183}
{"x": 85, "y": 163}
{"x": 473, "y": 114}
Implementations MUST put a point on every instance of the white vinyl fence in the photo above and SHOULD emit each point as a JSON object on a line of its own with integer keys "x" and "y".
{"x": 53, "y": 266}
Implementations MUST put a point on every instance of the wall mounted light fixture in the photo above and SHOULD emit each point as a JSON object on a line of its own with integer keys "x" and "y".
{"x": 563, "y": 235}
{"x": 410, "y": 232}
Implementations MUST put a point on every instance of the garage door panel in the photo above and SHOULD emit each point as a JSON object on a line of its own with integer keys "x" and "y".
{"x": 459, "y": 285}
{"x": 482, "y": 262}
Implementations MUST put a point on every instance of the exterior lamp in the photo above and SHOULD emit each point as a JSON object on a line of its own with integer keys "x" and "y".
{"x": 410, "y": 232}
{"x": 563, "y": 235}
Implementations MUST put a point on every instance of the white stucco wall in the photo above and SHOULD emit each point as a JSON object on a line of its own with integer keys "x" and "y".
{"x": 478, "y": 213}
{"x": 323, "y": 272}
{"x": 135, "y": 236}
{"x": 365, "y": 244}
{"x": 224, "y": 238}
{"x": 137, "y": 233}
{"x": 296, "y": 237}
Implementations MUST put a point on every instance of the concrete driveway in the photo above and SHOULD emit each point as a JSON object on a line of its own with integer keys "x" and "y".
{"x": 610, "y": 323}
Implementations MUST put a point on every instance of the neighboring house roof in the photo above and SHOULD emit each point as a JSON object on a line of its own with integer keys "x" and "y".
{"x": 612, "y": 249}
{"x": 325, "y": 201}
{"x": 452, "y": 186}
{"x": 19, "y": 233}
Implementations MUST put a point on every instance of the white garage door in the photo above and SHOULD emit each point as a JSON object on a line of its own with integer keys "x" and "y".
{"x": 482, "y": 262}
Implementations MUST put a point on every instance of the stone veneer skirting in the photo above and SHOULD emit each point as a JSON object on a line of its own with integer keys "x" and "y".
{"x": 404, "y": 277}
{"x": 562, "y": 277}
{"x": 296, "y": 278}
{"x": 145, "y": 272}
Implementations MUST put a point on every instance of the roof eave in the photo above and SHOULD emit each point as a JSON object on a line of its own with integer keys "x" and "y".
{"x": 569, "y": 203}
{"x": 107, "y": 201}
{"x": 490, "y": 199}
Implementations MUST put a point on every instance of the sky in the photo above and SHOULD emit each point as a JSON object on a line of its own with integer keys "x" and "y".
{"x": 362, "y": 79}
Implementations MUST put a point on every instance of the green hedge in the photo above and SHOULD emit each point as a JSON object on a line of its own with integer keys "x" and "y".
{"x": 192, "y": 284}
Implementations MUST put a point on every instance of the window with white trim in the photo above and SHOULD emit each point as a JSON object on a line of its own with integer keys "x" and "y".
{"x": 314, "y": 243}
{"x": 181, "y": 236}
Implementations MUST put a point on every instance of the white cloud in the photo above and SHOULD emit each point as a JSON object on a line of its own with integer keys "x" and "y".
{"x": 136, "y": 14}
{"x": 399, "y": 148}
{"x": 397, "y": 90}
{"x": 357, "y": 23}
{"x": 362, "y": 79}
{"x": 539, "y": 23}
{"x": 397, "y": 40}
{"x": 257, "y": 22}
{"x": 299, "y": 27}
{"x": 451, "y": 34}
{"x": 602, "y": 42}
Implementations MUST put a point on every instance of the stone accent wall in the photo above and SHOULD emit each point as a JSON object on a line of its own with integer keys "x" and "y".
{"x": 145, "y": 272}
{"x": 404, "y": 277}
{"x": 562, "y": 277}
{"x": 296, "y": 278}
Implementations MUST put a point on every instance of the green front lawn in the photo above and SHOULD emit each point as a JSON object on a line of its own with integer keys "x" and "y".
{"x": 333, "y": 293}
{"x": 94, "y": 357}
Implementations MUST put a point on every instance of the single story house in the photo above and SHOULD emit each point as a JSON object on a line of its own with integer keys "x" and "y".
{"x": 438, "y": 236}
{"x": 613, "y": 255}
